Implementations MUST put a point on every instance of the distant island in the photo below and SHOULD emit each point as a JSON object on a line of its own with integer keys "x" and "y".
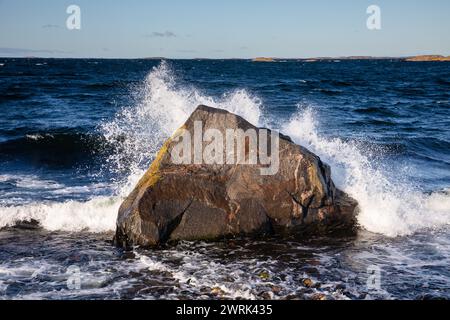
{"x": 419, "y": 58}
{"x": 428, "y": 58}
{"x": 264, "y": 59}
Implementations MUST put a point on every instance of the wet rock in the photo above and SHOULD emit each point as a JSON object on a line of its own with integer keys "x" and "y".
{"x": 430, "y": 297}
{"x": 276, "y": 289}
{"x": 291, "y": 297}
{"x": 265, "y": 295}
{"x": 27, "y": 225}
{"x": 199, "y": 201}
{"x": 319, "y": 296}
{"x": 264, "y": 275}
{"x": 362, "y": 296}
{"x": 340, "y": 286}
{"x": 308, "y": 283}
{"x": 218, "y": 292}
{"x": 311, "y": 271}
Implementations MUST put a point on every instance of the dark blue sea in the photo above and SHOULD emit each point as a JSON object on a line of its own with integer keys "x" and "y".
{"x": 76, "y": 135}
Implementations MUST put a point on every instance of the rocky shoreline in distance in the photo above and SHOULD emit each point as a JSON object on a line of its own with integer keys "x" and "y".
{"x": 419, "y": 58}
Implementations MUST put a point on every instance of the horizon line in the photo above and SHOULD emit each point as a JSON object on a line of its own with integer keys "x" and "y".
{"x": 349, "y": 57}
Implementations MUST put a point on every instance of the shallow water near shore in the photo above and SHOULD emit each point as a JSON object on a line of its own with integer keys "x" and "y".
{"x": 39, "y": 265}
{"x": 76, "y": 135}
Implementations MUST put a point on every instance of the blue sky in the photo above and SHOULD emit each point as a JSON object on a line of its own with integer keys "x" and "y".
{"x": 223, "y": 29}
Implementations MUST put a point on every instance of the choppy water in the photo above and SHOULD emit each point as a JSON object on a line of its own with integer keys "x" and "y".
{"x": 75, "y": 135}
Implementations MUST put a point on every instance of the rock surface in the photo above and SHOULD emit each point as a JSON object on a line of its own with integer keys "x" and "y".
{"x": 425, "y": 58}
{"x": 264, "y": 59}
{"x": 198, "y": 201}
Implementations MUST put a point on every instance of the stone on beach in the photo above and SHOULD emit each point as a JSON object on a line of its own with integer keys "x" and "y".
{"x": 198, "y": 201}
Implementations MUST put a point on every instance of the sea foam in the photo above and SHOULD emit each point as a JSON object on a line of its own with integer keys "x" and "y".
{"x": 96, "y": 215}
{"x": 386, "y": 206}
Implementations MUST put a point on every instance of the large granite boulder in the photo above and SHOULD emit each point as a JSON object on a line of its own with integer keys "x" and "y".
{"x": 186, "y": 197}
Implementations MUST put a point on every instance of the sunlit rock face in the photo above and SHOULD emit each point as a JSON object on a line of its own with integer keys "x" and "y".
{"x": 186, "y": 197}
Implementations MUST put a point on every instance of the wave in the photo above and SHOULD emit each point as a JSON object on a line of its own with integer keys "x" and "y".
{"x": 67, "y": 147}
{"x": 12, "y": 96}
{"x": 134, "y": 136}
{"x": 97, "y": 215}
{"x": 330, "y": 92}
{"x": 380, "y": 111}
{"x": 388, "y": 205}
{"x": 106, "y": 85}
{"x": 28, "y": 181}
{"x": 161, "y": 107}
